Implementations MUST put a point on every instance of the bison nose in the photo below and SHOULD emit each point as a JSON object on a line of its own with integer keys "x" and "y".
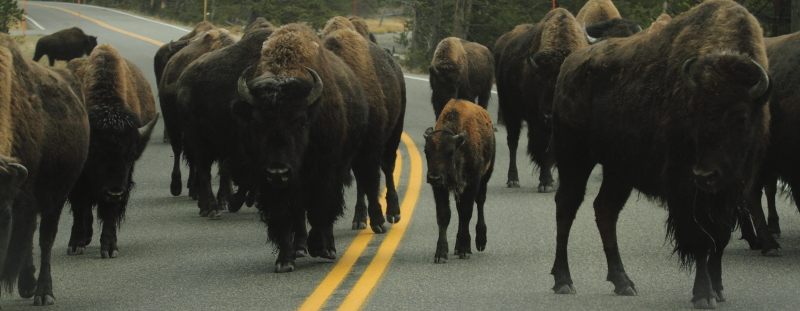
{"x": 278, "y": 174}
{"x": 434, "y": 178}
{"x": 706, "y": 178}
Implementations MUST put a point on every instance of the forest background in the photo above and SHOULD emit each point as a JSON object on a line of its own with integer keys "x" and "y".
{"x": 429, "y": 21}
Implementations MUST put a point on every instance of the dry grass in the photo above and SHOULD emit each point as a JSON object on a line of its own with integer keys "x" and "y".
{"x": 390, "y": 24}
{"x": 27, "y": 45}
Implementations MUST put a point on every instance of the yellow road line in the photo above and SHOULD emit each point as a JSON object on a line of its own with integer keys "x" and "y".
{"x": 374, "y": 272}
{"x": 102, "y": 24}
{"x": 317, "y": 299}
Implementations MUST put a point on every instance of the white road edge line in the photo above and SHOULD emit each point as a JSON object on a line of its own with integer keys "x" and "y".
{"x": 424, "y": 79}
{"x": 27, "y": 18}
{"x": 131, "y": 15}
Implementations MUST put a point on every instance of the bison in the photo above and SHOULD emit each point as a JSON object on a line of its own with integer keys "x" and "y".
{"x": 601, "y": 20}
{"x": 65, "y": 44}
{"x": 460, "y": 153}
{"x": 165, "y": 52}
{"x": 362, "y": 28}
{"x": 122, "y": 114}
{"x": 384, "y": 86}
{"x": 44, "y": 141}
{"x": 302, "y": 116}
{"x": 526, "y": 77}
{"x": 205, "y": 90}
{"x": 167, "y": 93}
{"x": 460, "y": 70}
{"x": 681, "y": 116}
{"x": 659, "y": 23}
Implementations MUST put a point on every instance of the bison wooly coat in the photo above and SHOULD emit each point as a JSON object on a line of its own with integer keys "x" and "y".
{"x": 462, "y": 70}
{"x": 65, "y": 44}
{"x": 166, "y": 51}
{"x": 167, "y": 94}
{"x": 526, "y": 78}
{"x": 460, "y": 153}
{"x": 780, "y": 161}
{"x": 302, "y": 115}
{"x": 122, "y": 114}
{"x": 205, "y": 91}
{"x": 601, "y": 20}
{"x": 681, "y": 116}
{"x": 384, "y": 86}
{"x": 362, "y": 28}
{"x": 39, "y": 111}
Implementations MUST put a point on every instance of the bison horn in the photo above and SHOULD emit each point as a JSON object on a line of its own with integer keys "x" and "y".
{"x": 589, "y": 38}
{"x": 22, "y": 174}
{"x": 146, "y": 130}
{"x": 763, "y": 83}
{"x": 428, "y": 133}
{"x": 687, "y": 76}
{"x": 242, "y": 86}
{"x": 638, "y": 28}
{"x": 316, "y": 91}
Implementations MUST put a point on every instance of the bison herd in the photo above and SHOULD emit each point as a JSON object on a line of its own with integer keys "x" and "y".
{"x": 696, "y": 112}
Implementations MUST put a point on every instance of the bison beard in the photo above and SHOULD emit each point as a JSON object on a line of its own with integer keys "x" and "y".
{"x": 677, "y": 114}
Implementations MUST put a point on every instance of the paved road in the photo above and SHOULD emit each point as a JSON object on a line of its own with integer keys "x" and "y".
{"x": 171, "y": 259}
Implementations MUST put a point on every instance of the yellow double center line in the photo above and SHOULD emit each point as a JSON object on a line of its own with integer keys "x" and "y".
{"x": 372, "y": 275}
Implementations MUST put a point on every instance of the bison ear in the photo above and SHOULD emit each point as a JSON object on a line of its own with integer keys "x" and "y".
{"x": 145, "y": 132}
{"x": 428, "y": 133}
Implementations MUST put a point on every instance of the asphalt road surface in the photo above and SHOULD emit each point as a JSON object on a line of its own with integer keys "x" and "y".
{"x": 172, "y": 259}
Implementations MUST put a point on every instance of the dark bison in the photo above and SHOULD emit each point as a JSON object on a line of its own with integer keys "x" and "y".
{"x": 302, "y": 116}
{"x": 526, "y": 78}
{"x": 122, "y": 114}
{"x": 205, "y": 90}
{"x": 462, "y": 70}
{"x": 460, "y": 154}
{"x": 44, "y": 134}
{"x": 502, "y": 42}
{"x": 65, "y": 44}
{"x": 780, "y": 161}
{"x": 167, "y": 93}
{"x": 165, "y": 52}
{"x": 681, "y": 116}
{"x": 383, "y": 83}
{"x": 601, "y": 20}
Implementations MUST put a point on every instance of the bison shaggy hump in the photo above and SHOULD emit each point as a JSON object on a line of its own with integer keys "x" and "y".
{"x": 463, "y": 70}
{"x": 681, "y": 116}
{"x": 65, "y": 44}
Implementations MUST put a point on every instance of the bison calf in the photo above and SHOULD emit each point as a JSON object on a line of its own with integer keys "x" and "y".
{"x": 461, "y": 70}
{"x": 460, "y": 154}
{"x": 65, "y": 44}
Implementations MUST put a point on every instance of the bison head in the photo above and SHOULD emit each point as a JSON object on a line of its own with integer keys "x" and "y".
{"x": 116, "y": 142}
{"x": 275, "y": 113}
{"x": 545, "y": 66}
{"x": 444, "y": 83}
{"x": 89, "y": 44}
{"x": 614, "y": 28}
{"x": 444, "y": 161}
{"x": 728, "y": 93}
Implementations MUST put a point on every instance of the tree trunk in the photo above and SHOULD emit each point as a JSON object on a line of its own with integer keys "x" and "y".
{"x": 436, "y": 28}
{"x": 416, "y": 33}
{"x": 461, "y": 18}
{"x": 795, "y": 15}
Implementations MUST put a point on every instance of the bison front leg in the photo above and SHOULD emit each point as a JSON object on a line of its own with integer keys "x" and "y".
{"x": 703, "y": 293}
{"x": 607, "y": 205}
{"x": 109, "y": 214}
{"x": 770, "y": 191}
{"x": 464, "y": 205}
{"x": 81, "y": 227}
{"x": 368, "y": 179}
{"x": 47, "y": 235}
{"x": 513, "y": 128}
{"x": 715, "y": 264}
{"x": 442, "y": 197}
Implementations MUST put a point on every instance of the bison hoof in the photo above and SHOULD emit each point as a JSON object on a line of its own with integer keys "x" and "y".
{"x": 215, "y": 215}
{"x": 107, "y": 255}
{"x": 75, "y": 250}
{"x": 627, "y": 291}
{"x": 283, "y": 268}
{"x": 463, "y": 256}
{"x": 705, "y": 303}
{"x": 358, "y": 225}
{"x": 393, "y": 219}
{"x": 328, "y": 254}
{"x": 546, "y": 188}
{"x": 513, "y": 183}
{"x": 300, "y": 253}
{"x": 440, "y": 259}
{"x": 47, "y": 301}
{"x": 720, "y": 297}
{"x": 564, "y": 289}
{"x": 379, "y": 229}
{"x": 175, "y": 187}
{"x": 203, "y": 213}
{"x": 772, "y": 252}
{"x": 481, "y": 248}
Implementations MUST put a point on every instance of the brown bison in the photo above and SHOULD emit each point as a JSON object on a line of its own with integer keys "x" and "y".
{"x": 122, "y": 114}
{"x": 460, "y": 153}
{"x": 205, "y": 91}
{"x": 44, "y": 141}
{"x": 658, "y": 24}
{"x": 460, "y": 70}
{"x": 780, "y": 161}
{"x": 167, "y": 93}
{"x": 362, "y": 28}
{"x": 384, "y": 86}
{"x": 601, "y": 20}
{"x": 302, "y": 117}
{"x": 526, "y": 78}
{"x": 65, "y": 44}
{"x": 166, "y": 51}
{"x": 681, "y": 116}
